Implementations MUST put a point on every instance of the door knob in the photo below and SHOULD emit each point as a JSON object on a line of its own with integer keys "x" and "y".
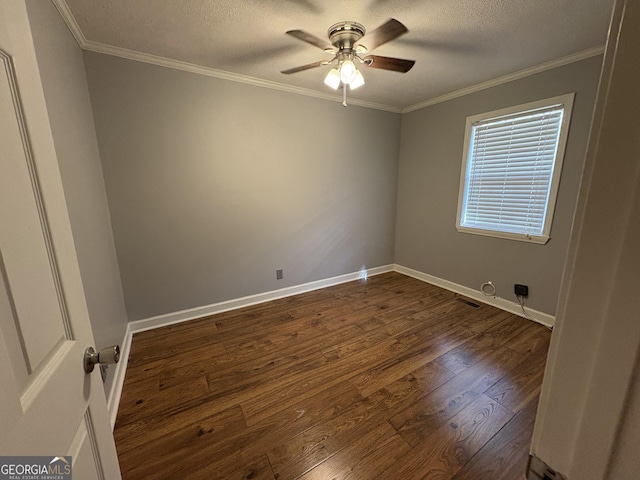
{"x": 105, "y": 356}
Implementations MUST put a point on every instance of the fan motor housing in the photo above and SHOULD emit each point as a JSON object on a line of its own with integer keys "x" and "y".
{"x": 344, "y": 35}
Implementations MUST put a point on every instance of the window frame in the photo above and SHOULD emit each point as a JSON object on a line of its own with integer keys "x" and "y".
{"x": 566, "y": 101}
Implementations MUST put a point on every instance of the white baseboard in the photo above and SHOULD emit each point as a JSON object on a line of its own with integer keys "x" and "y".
{"x": 198, "y": 312}
{"x": 498, "y": 302}
{"x": 118, "y": 380}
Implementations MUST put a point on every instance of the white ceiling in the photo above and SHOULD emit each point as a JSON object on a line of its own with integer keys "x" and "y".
{"x": 457, "y": 44}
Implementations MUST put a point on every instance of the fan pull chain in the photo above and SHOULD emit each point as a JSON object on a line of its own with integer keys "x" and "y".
{"x": 344, "y": 94}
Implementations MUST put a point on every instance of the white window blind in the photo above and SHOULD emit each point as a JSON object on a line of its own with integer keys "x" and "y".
{"x": 509, "y": 179}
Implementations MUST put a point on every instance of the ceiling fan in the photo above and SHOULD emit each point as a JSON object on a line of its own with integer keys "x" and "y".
{"x": 347, "y": 50}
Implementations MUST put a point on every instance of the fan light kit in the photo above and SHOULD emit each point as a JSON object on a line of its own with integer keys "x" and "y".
{"x": 346, "y": 50}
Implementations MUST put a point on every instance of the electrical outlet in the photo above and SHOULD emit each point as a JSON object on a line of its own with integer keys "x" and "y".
{"x": 279, "y": 274}
{"x": 521, "y": 290}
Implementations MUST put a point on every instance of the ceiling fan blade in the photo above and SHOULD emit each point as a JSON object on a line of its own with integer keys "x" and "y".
{"x": 386, "y": 32}
{"x": 389, "y": 63}
{"x": 307, "y": 37}
{"x": 305, "y": 67}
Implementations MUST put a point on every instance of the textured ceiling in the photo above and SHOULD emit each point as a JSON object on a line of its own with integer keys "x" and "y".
{"x": 456, "y": 43}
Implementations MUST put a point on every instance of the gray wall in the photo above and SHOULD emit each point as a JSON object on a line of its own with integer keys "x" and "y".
{"x": 213, "y": 184}
{"x": 428, "y": 186}
{"x": 71, "y": 118}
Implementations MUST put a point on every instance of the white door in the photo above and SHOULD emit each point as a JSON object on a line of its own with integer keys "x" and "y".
{"x": 48, "y": 405}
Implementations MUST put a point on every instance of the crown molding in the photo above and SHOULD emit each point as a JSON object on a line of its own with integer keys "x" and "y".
{"x": 70, "y": 20}
{"x": 85, "y": 44}
{"x": 234, "y": 77}
{"x": 543, "y": 67}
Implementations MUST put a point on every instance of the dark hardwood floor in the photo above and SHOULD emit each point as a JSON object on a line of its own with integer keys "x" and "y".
{"x": 391, "y": 378}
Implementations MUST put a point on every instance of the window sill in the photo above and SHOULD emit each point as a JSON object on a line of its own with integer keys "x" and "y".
{"x": 520, "y": 237}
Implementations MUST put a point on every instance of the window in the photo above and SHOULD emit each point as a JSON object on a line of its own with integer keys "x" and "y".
{"x": 511, "y": 170}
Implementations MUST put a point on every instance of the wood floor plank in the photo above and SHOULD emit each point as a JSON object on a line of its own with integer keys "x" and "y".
{"x": 152, "y": 431}
{"x": 362, "y": 342}
{"x": 467, "y": 354}
{"x": 133, "y": 389}
{"x": 453, "y": 305}
{"x": 150, "y": 402}
{"x": 175, "y": 437}
{"x": 253, "y": 441}
{"x": 452, "y": 445}
{"x": 374, "y": 452}
{"x": 316, "y": 445}
{"x": 516, "y": 390}
{"x": 505, "y": 456}
{"x": 396, "y": 321}
{"x": 147, "y": 369}
{"x": 296, "y": 419}
{"x": 258, "y": 469}
{"x": 269, "y": 353}
{"x": 186, "y": 330}
{"x": 392, "y": 369}
{"x": 404, "y": 392}
{"x": 534, "y": 339}
{"x": 253, "y": 377}
{"x": 271, "y": 401}
{"x": 505, "y": 332}
{"x": 385, "y": 378}
{"x": 498, "y": 330}
{"x": 234, "y": 467}
{"x": 169, "y": 347}
{"x": 427, "y": 414}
